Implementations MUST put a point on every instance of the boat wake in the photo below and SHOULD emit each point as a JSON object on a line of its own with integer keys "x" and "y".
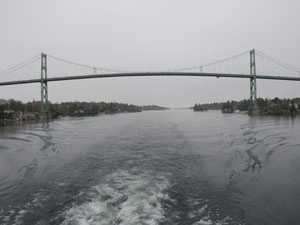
{"x": 122, "y": 198}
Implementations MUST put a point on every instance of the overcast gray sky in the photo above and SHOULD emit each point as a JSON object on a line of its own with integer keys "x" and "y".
{"x": 149, "y": 35}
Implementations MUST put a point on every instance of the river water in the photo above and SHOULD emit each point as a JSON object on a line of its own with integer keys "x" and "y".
{"x": 157, "y": 167}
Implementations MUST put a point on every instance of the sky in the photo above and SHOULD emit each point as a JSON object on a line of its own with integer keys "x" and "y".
{"x": 149, "y": 35}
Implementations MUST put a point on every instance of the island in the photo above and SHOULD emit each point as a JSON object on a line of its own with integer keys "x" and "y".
{"x": 16, "y": 110}
{"x": 153, "y": 107}
{"x": 265, "y": 106}
{"x": 199, "y": 108}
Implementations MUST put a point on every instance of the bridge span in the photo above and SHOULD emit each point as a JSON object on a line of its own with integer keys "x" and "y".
{"x": 150, "y": 74}
{"x": 284, "y": 73}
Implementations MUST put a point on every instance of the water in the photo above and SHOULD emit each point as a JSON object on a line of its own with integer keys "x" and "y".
{"x": 166, "y": 167}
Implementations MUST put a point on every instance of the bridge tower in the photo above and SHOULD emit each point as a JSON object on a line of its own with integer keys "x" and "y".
{"x": 253, "y": 100}
{"x": 44, "y": 86}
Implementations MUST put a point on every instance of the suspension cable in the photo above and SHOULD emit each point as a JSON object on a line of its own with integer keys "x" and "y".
{"x": 85, "y": 66}
{"x": 278, "y": 62}
{"x": 19, "y": 66}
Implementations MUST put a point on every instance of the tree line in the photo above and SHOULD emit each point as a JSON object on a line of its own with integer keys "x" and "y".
{"x": 265, "y": 106}
{"x": 9, "y": 108}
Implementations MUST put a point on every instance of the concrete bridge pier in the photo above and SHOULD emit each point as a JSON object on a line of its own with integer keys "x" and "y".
{"x": 253, "y": 112}
{"x": 45, "y": 115}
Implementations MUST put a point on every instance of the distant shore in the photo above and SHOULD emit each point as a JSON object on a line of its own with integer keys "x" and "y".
{"x": 274, "y": 106}
{"x": 13, "y": 110}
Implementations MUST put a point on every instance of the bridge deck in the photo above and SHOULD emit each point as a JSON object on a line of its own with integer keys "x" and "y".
{"x": 150, "y": 74}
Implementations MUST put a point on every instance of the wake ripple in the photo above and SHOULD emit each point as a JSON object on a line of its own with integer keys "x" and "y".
{"x": 122, "y": 198}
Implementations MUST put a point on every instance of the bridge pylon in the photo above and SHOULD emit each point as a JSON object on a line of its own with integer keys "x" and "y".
{"x": 44, "y": 86}
{"x": 253, "y": 93}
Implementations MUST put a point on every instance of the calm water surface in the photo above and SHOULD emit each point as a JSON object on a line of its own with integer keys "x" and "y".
{"x": 168, "y": 167}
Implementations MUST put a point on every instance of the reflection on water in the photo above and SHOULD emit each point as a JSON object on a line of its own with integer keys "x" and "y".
{"x": 169, "y": 167}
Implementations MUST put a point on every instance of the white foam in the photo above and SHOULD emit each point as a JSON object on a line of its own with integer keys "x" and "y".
{"x": 123, "y": 198}
{"x": 22, "y": 211}
{"x": 208, "y": 221}
{"x": 210, "y": 218}
{"x": 204, "y": 221}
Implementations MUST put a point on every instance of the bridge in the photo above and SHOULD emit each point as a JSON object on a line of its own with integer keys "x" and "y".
{"x": 46, "y": 68}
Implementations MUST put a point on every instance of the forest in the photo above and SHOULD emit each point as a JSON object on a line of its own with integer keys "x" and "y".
{"x": 14, "y": 109}
{"x": 274, "y": 106}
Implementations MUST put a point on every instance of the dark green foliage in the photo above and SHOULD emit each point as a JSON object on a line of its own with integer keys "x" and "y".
{"x": 91, "y": 108}
{"x": 213, "y": 106}
{"x": 276, "y": 110}
{"x": 244, "y": 105}
{"x": 228, "y": 107}
{"x": 293, "y": 108}
{"x": 153, "y": 107}
{"x": 65, "y": 108}
{"x": 1, "y": 112}
{"x": 198, "y": 107}
{"x": 266, "y": 106}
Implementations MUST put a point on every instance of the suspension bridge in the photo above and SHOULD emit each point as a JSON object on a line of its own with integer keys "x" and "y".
{"x": 251, "y": 65}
